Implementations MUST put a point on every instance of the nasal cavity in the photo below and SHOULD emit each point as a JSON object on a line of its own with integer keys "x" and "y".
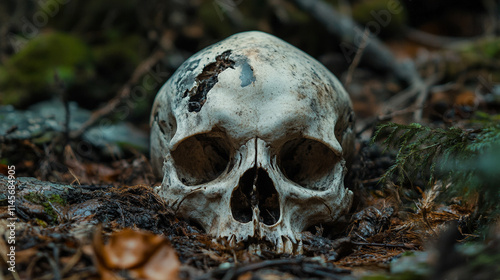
{"x": 255, "y": 190}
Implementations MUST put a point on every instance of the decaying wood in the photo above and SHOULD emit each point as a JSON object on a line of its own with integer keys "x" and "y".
{"x": 28, "y": 185}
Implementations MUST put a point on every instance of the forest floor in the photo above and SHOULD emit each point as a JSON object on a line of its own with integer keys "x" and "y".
{"x": 75, "y": 207}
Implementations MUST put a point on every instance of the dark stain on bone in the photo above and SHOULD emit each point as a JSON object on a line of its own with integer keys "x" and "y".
{"x": 207, "y": 80}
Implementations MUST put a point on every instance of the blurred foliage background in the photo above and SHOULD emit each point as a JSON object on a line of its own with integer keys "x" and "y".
{"x": 95, "y": 46}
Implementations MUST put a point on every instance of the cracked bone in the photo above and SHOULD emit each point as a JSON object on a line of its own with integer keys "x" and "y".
{"x": 251, "y": 136}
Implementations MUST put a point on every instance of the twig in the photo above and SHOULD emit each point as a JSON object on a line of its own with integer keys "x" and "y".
{"x": 371, "y": 181}
{"x": 60, "y": 214}
{"x": 3, "y": 248}
{"x": 317, "y": 271}
{"x": 435, "y": 41}
{"x": 359, "y": 236}
{"x": 406, "y": 246}
{"x": 386, "y": 117}
{"x": 312, "y": 268}
{"x": 56, "y": 273}
{"x": 401, "y": 98}
{"x": 268, "y": 263}
{"x": 31, "y": 265}
{"x": 233, "y": 272}
{"x": 74, "y": 176}
{"x": 72, "y": 262}
{"x": 423, "y": 88}
{"x": 357, "y": 58}
{"x": 418, "y": 90}
{"x": 485, "y": 83}
{"x": 375, "y": 52}
{"x": 120, "y": 210}
{"x": 123, "y": 93}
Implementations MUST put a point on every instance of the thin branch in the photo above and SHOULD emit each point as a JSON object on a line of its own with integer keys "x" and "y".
{"x": 343, "y": 27}
{"x": 232, "y": 272}
{"x": 375, "y": 53}
{"x": 357, "y": 58}
{"x": 405, "y": 246}
{"x": 268, "y": 263}
{"x": 123, "y": 93}
{"x": 435, "y": 41}
{"x": 418, "y": 91}
{"x": 386, "y": 117}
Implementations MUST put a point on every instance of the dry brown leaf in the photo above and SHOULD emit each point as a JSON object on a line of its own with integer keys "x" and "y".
{"x": 163, "y": 264}
{"x": 144, "y": 255}
{"x": 466, "y": 98}
{"x": 27, "y": 255}
{"x": 102, "y": 172}
{"x": 245, "y": 276}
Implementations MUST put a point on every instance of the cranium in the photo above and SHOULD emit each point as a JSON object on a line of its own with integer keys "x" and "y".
{"x": 251, "y": 136}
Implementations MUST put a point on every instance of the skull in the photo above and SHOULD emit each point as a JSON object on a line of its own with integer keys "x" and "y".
{"x": 251, "y": 136}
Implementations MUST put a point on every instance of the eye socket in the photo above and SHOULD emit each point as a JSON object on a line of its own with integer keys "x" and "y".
{"x": 201, "y": 158}
{"x": 309, "y": 163}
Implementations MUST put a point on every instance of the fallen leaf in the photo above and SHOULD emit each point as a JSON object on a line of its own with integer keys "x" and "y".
{"x": 143, "y": 255}
{"x": 466, "y": 98}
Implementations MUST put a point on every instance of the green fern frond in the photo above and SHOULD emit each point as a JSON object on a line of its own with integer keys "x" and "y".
{"x": 468, "y": 159}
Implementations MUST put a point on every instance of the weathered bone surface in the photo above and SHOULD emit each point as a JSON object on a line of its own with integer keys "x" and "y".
{"x": 251, "y": 136}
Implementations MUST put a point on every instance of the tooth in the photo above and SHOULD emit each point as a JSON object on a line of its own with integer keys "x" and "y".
{"x": 258, "y": 250}
{"x": 279, "y": 245}
{"x": 232, "y": 241}
{"x": 252, "y": 248}
{"x": 288, "y": 245}
{"x": 300, "y": 249}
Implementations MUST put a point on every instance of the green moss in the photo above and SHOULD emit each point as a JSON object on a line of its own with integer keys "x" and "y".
{"x": 34, "y": 198}
{"x": 41, "y": 223}
{"x": 46, "y": 203}
{"x": 118, "y": 58}
{"x": 477, "y": 54}
{"x": 487, "y": 48}
{"x": 29, "y": 74}
{"x": 57, "y": 199}
{"x": 48, "y": 207}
